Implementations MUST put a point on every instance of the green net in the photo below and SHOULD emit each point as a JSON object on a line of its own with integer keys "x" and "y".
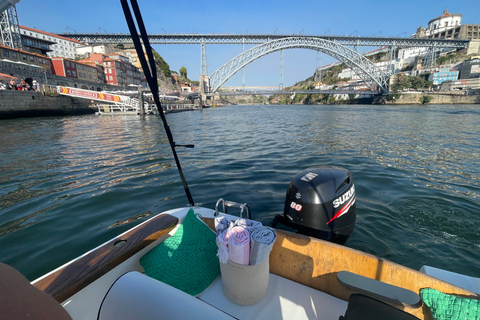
{"x": 187, "y": 260}
{"x": 450, "y": 307}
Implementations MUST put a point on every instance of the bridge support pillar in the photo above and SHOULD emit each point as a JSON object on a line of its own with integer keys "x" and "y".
{"x": 205, "y": 94}
{"x": 204, "y": 84}
{"x": 141, "y": 105}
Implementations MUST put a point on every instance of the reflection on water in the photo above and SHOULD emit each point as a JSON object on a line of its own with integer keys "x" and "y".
{"x": 68, "y": 184}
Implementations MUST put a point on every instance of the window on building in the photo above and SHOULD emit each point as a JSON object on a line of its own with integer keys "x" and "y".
{"x": 69, "y": 73}
{"x": 79, "y": 74}
{"x": 6, "y": 53}
{"x": 74, "y": 73}
{"x": 14, "y": 55}
{"x": 67, "y": 64}
{"x": 32, "y": 59}
{"x": 24, "y": 57}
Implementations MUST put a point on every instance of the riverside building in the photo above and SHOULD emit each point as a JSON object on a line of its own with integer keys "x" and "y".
{"x": 52, "y": 45}
{"x": 74, "y": 69}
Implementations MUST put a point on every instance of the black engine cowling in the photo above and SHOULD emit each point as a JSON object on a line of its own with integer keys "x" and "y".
{"x": 321, "y": 202}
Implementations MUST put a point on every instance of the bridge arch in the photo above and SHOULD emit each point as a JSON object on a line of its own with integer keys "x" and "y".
{"x": 374, "y": 77}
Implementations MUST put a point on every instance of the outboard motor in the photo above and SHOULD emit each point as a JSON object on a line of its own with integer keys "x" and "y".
{"x": 321, "y": 203}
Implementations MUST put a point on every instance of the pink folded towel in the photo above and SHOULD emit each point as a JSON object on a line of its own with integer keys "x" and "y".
{"x": 238, "y": 245}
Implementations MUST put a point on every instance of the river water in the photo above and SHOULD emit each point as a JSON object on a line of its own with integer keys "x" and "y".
{"x": 68, "y": 184}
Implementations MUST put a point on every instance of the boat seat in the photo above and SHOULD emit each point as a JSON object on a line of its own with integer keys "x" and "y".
{"x": 137, "y": 296}
{"x": 379, "y": 290}
{"x": 363, "y": 307}
{"x": 463, "y": 281}
{"x": 20, "y": 300}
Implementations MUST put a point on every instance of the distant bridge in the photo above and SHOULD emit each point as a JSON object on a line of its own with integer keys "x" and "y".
{"x": 335, "y": 46}
{"x": 290, "y": 92}
{"x": 194, "y": 38}
{"x": 195, "y": 95}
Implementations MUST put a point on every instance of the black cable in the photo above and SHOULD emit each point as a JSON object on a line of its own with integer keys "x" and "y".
{"x": 150, "y": 72}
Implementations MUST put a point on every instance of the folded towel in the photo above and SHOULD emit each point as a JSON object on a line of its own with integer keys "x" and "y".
{"x": 261, "y": 243}
{"x": 234, "y": 241}
{"x": 222, "y": 224}
{"x": 248, "y": 224}
{"x": 222, "y": 245}
{"x": 238, "y": 245}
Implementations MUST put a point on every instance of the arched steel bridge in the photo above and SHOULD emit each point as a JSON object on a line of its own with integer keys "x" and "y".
{"x": 373, "y": 76}
{"x": 335, "y": 46}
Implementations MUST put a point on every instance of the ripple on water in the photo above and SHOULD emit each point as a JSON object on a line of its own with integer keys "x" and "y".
{"x": 67, "y": 182}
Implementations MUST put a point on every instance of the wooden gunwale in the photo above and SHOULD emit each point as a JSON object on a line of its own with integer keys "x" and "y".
{"x": 306, "y": 260}
{"x": 315, "y": 263}
{"x": 73, "y": 277}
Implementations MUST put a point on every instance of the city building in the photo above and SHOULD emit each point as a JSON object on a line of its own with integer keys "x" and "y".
{"x": 114, "y": 72}
{"x": 444, "y": 74}
{"x": 58, "y": 46}
{"x": 120, "y": 71}
{"x": 185, "y": 88}
{"x": 97, "y": 57}
{"x": 132, "y": 56}
{"x": 470, "y": 69}
{"x": 461, "y": 84}
{"x": 16, "y": 59}
{"x": 35, "y": 43}
{"x": 74, "y": 69}
{"x": 86, "y": 50}
{"x": 99, "y": 67}
{"x": 411, "y": 53}
{"x": 448, "y": 26}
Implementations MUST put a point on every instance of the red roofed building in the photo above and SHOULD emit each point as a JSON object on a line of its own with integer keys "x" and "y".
{"x": 120, "y": 72}
{"x": 60, "y": 46}
{"x": 74, "y": 69}
{"x": 98, "y": 66}
{"x": 24, "y": 60}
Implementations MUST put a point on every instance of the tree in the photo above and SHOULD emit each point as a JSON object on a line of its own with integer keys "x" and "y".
{"x": 183, "y": 72}
{"x": 163, "y": 65}
{"x": 403, "y": 81}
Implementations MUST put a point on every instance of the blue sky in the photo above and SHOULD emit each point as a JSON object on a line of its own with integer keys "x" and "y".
{"x": 347, "y": 17}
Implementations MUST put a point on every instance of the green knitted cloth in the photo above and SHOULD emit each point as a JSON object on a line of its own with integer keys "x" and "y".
{"x": 187, "y": 260}
{"x": 450, "y": 307}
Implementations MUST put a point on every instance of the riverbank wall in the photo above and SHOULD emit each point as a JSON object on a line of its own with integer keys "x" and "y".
{"x": 427, "y": 98}
{"x": 21, "y": 104}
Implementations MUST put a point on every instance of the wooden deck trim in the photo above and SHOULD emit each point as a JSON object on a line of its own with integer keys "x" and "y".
{"x": 316, "y": 263}
{"x": 72, "y": 278}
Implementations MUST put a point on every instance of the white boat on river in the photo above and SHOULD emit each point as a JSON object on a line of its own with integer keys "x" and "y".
{"x": 308, "y": 279}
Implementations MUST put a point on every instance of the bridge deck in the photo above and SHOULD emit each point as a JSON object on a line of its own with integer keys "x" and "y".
{"x": 259, "y": 39}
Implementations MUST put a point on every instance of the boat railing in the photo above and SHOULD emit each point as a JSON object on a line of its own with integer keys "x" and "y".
{"x": 226, "y": 203}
